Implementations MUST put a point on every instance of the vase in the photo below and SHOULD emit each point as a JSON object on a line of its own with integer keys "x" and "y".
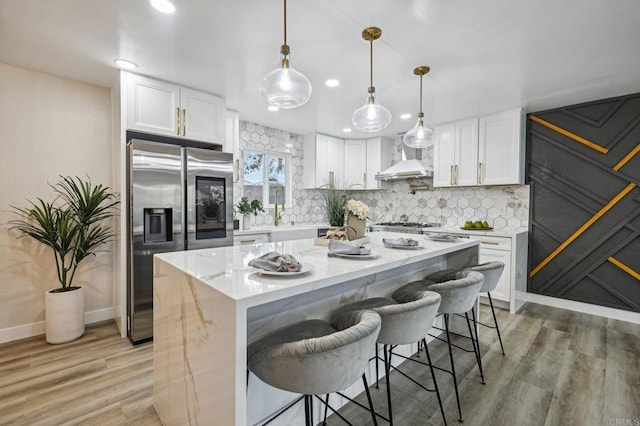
{"x": 355, "y": 227}
{"x": 246, "y": 222}
{"x": 64, "y": 315}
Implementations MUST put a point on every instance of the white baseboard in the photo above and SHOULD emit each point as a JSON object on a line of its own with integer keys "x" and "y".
{"x": 37, "y": 328}
{"x": 587, "y": 308}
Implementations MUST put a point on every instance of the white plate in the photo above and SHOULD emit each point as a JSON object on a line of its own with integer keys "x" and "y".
{"x": 400, "y": 246}
{"x": 303, "y": 270}
{"x": 356, "y": 256}
{"x": 444, "y": 239}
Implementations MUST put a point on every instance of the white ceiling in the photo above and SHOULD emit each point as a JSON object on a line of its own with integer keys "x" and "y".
{"x": 485, "y": 56}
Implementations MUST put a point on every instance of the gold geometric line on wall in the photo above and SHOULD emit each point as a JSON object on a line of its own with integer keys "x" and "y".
{"x": 583, "y": 228}
{"x": 624, "y": 267}
{"x": 568, "y": 134}
{"x": 626, "y": 158}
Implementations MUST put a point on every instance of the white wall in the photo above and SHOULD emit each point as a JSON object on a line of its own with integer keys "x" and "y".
{"x": 49, "y": 126}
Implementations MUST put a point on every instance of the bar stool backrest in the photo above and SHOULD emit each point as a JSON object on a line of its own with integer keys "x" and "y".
{"x": 320, "y": 365}
{"x": 491, "y": 271}
{"x": 459, "y": 292}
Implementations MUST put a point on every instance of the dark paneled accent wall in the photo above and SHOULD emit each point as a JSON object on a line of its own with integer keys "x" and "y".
{"x": 583, "y": 167}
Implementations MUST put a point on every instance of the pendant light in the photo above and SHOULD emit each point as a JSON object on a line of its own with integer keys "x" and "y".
{"x": 371, "y": 117}
{"x": 419, "y": 136}
{"x": 285, "y": 87}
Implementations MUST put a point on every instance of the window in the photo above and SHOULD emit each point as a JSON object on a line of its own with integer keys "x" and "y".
{"x": 264, "y": 173}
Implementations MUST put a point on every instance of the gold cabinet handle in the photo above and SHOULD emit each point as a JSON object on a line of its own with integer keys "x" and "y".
{"x": 364, "y": 176}
{"x": 331, "y": 179}
{"x": 479, "y": 173}
{"x": 451, "y": 176}
{"x": 456, "y": 169}
{"x": 184, "y": 122}
{"x": 247, "y": 241}
{"x": 178, "y": 121}
{"x": 493, "y": 243}
{"x": 237, "y": 170}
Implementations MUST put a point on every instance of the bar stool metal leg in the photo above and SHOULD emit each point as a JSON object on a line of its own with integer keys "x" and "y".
{"x": 435, "y": 382}
{"x": 387, "y": 371}
{"x": 366, "y": 389}
{"x": 453, "y": 367}
{"x": 473, "y": 314}
{"x": 495, "y": 321}
{"x": 475, "y": 342}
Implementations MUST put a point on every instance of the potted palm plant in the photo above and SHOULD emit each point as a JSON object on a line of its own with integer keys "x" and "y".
{"x": 74, "y": 225}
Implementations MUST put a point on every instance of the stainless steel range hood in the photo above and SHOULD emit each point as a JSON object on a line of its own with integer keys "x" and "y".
{"x": 415, "y": 163}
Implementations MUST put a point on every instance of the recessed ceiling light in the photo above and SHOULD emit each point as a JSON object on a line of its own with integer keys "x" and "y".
{"x": 347, "y": 130}
{"x": 273, "y": 108}
{"x": 405, "y": 116}
{"x": 288, "y": 145}
{"x": 125, "y": 65}
{"x": 332, "y": 82}
{"x": 164, "y": 6}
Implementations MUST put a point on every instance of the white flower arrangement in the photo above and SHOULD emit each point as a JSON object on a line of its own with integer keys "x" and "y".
{"x": 358, "y": 208}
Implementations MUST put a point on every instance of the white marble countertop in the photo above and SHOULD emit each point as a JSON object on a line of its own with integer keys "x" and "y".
{"x": 226, "y": 268}
{"x": 493, "y": 232}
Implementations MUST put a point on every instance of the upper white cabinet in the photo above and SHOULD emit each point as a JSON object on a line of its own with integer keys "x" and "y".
{"x": 480, "y": 151}
{"x": 378, "y": 159}
{"x": 355, "y": 162}
{"x": 351, "y": 163}
{"x": 323, "y": 162}
{"x": 501, "y": 149}
{"x": 163, "y": 108}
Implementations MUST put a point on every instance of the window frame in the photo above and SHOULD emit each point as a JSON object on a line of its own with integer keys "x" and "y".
{"x": 288, "y": 196}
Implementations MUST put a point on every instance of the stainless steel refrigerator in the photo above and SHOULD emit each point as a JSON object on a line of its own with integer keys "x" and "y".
{"x": 179, "y": 199}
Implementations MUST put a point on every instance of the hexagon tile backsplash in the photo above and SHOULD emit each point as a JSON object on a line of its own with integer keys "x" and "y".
{"x": 504, "y": 207}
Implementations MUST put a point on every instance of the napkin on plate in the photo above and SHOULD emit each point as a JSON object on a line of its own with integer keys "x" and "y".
{"x": 408, "y": 242}
{"x": 277, "y": 262}
{"x": 342, "y": 247}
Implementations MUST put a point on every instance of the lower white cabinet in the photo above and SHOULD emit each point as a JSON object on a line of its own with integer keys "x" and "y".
{"x": 510, "y": 248}
{"x": 248, "y": 238}
{"x": 502, "y": 290}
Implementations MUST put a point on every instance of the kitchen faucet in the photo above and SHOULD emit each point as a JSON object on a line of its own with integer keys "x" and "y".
{"x": 277, "y": 218}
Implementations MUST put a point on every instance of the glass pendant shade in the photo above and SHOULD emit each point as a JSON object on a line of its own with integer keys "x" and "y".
{"x": 419, "y": 136}
{"x": 285, "y": 87}
{"x": 371, "y": 117}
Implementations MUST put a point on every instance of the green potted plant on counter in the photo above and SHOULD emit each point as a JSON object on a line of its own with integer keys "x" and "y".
{"x": 75, "y": 226}
{"x": 335, "y": 204}
{"x": 247, "y": 208}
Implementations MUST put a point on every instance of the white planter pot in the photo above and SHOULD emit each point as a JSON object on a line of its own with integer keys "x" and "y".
{"x": 246, "y": 222}
{"x": 64, "y": 315}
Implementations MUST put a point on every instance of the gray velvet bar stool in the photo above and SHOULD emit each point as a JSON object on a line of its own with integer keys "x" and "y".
{"x": 492, "y": 272}
{"x": 403, "y": 323}
{"x": 459, "y": 292}
{"x": 313, "y": 358}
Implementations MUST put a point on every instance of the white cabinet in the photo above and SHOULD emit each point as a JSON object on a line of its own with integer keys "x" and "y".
{"x": 232, "y": 140}
{"x": 355, "y": 163}
{"x": 378, "y": 159}
{"x": 167, "y": 109}
{"x": 352, "y": 163}
{"x": 480, "y": 151}
{"x": 250, "y": 238}
{"x": 456, "y": 154}
{"x": 502, "y": 290}
{"x": 500, "y": 149}
{"x": 323, "y": 162}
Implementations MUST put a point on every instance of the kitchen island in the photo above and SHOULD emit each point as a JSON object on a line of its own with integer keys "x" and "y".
{"x": 208, "y": 304}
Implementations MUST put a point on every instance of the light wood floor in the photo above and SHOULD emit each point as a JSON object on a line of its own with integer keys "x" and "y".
{"x": 561, "y": 368}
